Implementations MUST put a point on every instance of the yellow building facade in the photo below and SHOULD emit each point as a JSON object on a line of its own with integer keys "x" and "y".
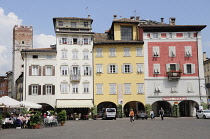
{"x": 118, "y": 67}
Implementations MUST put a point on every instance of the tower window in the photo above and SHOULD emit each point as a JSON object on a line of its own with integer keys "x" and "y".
{"x": 35, "y": 56}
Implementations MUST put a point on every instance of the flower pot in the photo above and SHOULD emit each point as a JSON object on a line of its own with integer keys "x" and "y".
{"x": 62, "y": 124}
{"x": 76, "y": 118}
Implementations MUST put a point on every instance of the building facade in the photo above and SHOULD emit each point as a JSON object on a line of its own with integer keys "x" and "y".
{"x": 3, "y": 86}
{"x": 119, "y": 67}
{"x": 22, "y": 39}
{"x": 173, "y": 66}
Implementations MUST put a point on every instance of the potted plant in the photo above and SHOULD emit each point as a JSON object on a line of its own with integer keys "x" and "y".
{"x": 76, "y": 117}
{"x": 62, "y": 117}
{"x": 35, "y": 121}
{"x": 89, "y": 117}
{"x": 94, "y": 112}
{"x": 1, "y": 118}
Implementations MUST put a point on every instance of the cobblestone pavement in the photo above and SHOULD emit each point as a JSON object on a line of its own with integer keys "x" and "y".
{"x": 169, "y": 128}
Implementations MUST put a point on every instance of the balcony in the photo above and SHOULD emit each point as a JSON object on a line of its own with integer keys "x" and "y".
{"x": 174, "y": 75}
{"x": 75, "y": 78}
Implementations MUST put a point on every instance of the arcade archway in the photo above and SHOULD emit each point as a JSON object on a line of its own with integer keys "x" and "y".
{"x": 156, "y": 106}
{"x": 135, "y": 105}
{"x": 188, "y": 108}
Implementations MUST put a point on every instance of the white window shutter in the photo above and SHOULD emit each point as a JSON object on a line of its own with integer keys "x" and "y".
{"x": 131, "y": 68}
{"x": 116, "y": 70}
{"x": 190, "y": 50}
{"x": 158, "y": 68}
{"x": 154, "y": 68}
{"x": 158, "y": 52}
{"x": 185, "y": 68}
{"x": 108, "y": 68}
{"x": 170, "y": 52}
{"x": 193, "y": 68}
{"x": 60, "y": 40}
{"x": 177, "y": 67}
{"x": 89, "y": 41}
{"x": 68, "y": 41}
{"x": 151, "y": 35}
{"x": 123, "y": 68}
{"x": 167, "y": 67}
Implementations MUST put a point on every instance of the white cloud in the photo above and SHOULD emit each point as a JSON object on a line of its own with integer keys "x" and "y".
{"x": 7, "y": 24}
{"x": 43, "y": 41}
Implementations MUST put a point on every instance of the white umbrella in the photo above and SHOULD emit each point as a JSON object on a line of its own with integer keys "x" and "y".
{"x": 8, "y": 102}
{"x": 27, "y": 104}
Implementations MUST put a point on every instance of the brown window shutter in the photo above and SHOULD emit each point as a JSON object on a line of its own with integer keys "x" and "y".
{"x": 30, "y": 70}
{"x": 29, "y": 90}
{"x": 53, "y": 71}
{"x": 39, "y": 89}
{"x": 40, "y": 69}
{"x": 44, "y": 93}
{"x": 44, "y": 71}
{"x": 53, "y": 90}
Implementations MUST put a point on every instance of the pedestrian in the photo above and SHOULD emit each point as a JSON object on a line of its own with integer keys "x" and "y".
{"x": 152, "y": 114}
{"x": 131, "y": 115}
{"x": 161, "y": 112}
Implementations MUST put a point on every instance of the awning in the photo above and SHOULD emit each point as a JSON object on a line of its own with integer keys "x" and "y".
{"x": 74, "y": 103}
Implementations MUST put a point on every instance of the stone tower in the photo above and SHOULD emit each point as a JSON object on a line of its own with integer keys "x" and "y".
{"x": 22, "y": 39}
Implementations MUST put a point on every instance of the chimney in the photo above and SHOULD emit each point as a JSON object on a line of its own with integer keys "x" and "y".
{"x": 88, "y": 16}
{"x": 115, "y": 16}
{"x": 204, "y": 56}
{"x": 162, "y": 20}
{"x": 172, "y": 21}
{"x": 138, "y": 18}
{"x": 132, "y": 17}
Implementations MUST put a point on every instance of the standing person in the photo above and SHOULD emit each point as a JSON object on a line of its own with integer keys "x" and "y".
{"x": 152, "y": 114}
{"x": 131, "y": 115}
{"x": 161, "y": 112}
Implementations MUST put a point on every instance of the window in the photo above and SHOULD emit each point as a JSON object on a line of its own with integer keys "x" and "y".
{"x": 85, "y": 41}
{"x": 48, "y": 70}
{"x": 127, "y": 88}
{"x": 85, "y": 24}
{"x": 64, "y": 88}
{"x": 157, "y": 88}
{"x": 126, "y": 51}
{"x": 188, "y": 51}
{"x": 112, "y": 52}
{"x": 156, "y": 51}
{"x": 73, "y": 24}
{"x": 75, "y": 54}
{"x": 64, "y": 40}
{"x": 156, "y": 68}
{"x": 35, "y": 56}
{"x": 48, "y": 89}
{"x": 140, "y": 88}
{"x": 172, "y": 67}
{"x": 85, "y": 54}
{"x": 75, "y": 88}
{"x": 60, "y": 23}
{"x": 139, "y": 51}
{"x": 169, "y": 35}
{"x": 155, "y": 35}
{"x": 75, "y": 70}
{"x": 127, "y": 68}
{"x": 22, "y": 42}
{"x": 99, "y": 52}
{"x": 189, "y": 68}
{"x": 99, "y": 68}
{"x": 64, "y": 70}
{"x": 140, "y": 68}
{"x": 34, "y": 89}
{"x": 172, "y": 51}
{"x": 87, "y": 70}
{"x": 112, "y": 88}
{"x": 64, "y": 55}
{"x": 126, "y": 33}
{"x": 99, "y": 88}
{"x": 112, "y": 68}
{"x": 86, "y": 88}
{"x": 35, "y": 70}
{"x": 75, "y": 40}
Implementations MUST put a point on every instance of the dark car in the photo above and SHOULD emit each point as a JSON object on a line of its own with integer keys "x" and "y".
{"x": 141, "y": 114}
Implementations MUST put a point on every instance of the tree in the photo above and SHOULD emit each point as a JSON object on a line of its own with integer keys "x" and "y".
{"x": 176, "y": 110}
{"x": 148, "y": 108}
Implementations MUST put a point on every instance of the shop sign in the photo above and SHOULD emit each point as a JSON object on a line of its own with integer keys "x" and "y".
{"x": 174, "y": 98}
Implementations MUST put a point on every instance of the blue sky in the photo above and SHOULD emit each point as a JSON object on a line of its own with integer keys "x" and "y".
{"x": 39, "y": 14}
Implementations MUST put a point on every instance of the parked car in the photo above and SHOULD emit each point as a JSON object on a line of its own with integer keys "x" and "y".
{"x": 203, "y": 114}
{"x": 141, "y": 114}
{"x": 109, "y": 113}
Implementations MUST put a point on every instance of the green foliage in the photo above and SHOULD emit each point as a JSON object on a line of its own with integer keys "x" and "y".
{"x": 94, "y": 110}
{"x": 76, "y": 116}
{"x": 176, "y": 110}
{"x": 148, "y": 108}
{"x": 89, "y": 116}
{"x": 35, "y": 119}
{"x": 35, "y": 112}
{"x": 62, "y": 116}
{"x": 1, "y": 118}
{"x": 119, "y": 111}
{"x": 52, "y": 112}
{"x": 205, "y": 105}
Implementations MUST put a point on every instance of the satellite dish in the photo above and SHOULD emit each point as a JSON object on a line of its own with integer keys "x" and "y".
{"x": 208, "y": 85}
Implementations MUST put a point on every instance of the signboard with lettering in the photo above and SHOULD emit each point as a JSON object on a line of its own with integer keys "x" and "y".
{"x": 174, "y": 98}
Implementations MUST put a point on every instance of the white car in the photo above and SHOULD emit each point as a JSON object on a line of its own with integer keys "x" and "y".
{"x": 203, "y": 114}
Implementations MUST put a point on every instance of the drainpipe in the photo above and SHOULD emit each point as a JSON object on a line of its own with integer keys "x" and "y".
{"x": 25, "y": 73}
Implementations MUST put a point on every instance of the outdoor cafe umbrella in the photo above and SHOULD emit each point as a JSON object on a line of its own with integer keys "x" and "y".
{"x": 8, "y": 102}
{"x": 28, "y": 104}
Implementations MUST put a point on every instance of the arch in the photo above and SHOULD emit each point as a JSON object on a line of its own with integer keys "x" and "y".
{"x": 46, "y": 107}
{"x": 188, "y": 108}
{"x": 105, "y": 104}
{"x": 135, "y": 105}
{"x": 157, "y": 105}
